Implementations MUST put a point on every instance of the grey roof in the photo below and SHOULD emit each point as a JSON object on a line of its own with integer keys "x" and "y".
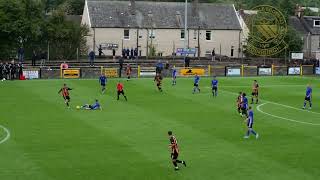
{"x": 308, "y": 24}
{"x": 116, "y": 14}
{"x": 296, "y": 23}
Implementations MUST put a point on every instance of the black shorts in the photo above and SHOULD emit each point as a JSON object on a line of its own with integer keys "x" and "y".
{"x": 307, "y": 98}
{"x": 66, "y": 98}
{"x": 255, "y": 93}
{"x": 174, "y": 156}
{"x": 121, "y": 92}
{"x": 158, "y": 84}
{"x": 195, "y": 85}
{"x": 244, "y": 110}
{"x": 103, "y": 85}
{"x": 214, "y": 88}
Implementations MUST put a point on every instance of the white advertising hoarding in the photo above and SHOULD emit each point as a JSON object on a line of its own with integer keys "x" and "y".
{"x": 31, "y": 74}
{"x": 234, "y": 72}
{"x": 265, "y": 72}
{"x": 294, "y": 71}
{"x": 296, "y": 55}
{"x": 318, "y": 70}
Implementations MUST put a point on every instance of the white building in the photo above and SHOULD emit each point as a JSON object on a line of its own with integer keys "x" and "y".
{"x": 130, "y": 24}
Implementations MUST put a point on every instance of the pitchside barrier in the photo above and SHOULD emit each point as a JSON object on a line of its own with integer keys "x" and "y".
{"x": 31, "y": 73}
{"x": 109, "y": 72}
{"x": 146, "y": 71}
{"x": 72, "y": 73}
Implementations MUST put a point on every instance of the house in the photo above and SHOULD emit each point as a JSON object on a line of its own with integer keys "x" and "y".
{"x": 160, "y": 26}
{"x": 309, "y": 30}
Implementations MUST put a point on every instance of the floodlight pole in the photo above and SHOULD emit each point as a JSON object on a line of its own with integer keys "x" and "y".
{"x": 185, "y": 27}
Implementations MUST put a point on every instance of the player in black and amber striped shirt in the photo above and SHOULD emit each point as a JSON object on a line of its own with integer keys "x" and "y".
{"x": 65, "y": 94}
{"x": 175, "y": 151}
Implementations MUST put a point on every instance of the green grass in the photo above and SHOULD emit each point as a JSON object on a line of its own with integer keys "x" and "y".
{"x": 128, "y": 140}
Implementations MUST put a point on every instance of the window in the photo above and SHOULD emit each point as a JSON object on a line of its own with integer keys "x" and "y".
{"x": 126, "y": 34}
{"x": 195, "y": 34}
{"x": 232, "y": 51}
{"x": 208, "y": 35}
{"x": 316, "y": 23}
{"x": 152, "y": 34}
{"x": 182, "y": 34}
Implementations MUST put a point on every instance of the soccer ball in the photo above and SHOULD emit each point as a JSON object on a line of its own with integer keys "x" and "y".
{"x": 78, "y": 107}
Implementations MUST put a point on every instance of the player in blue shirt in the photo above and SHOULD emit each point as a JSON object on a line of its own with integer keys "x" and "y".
{"x": 196, "y": 84}
{"x": 174, "y": 76}
{"x": 94, "y": 106}
{"x": 214, "y": 84}
{"x": 244, "y": 105}
{"x": 250, "y": 125}
{"x": 103, "y": 82}
{"x": 308, "y": 97}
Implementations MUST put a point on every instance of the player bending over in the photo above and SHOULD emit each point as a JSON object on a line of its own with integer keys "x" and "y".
{"x": 103, "y": 83}
{"x": 214, "y": 84}
{"x": 121, "y": 91}
{"x": 174, "y": 76}
{"x": 175, "y": 151}
{"x": 94, "y": 106}
{"x": 196, "y": 84}
{"x": 255, "y": 92}
{"x": 250, "y": 125}
{"x": 244, "y": 105}
{"x": 158, "y": 79}
{"x": 65, "y": 94}
{"x": 308, "y": 97}
{"x": 239, "y": 101}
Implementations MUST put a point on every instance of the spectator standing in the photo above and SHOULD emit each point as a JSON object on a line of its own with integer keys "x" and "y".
{"x": 213, "y": 54}
{"x": 1, "y": 71}
{"x": 187, "y": 61}
{"x": 20, "y": 66}
{"x": 13, "y": 70}
{"x": 34, "y": 57}
{"x": 21, "y": 54}
{"x": 113, "y": 53}
{"x": 121, "y": 61}
{"x": 100, "y": 50}
{"x": 135, "y": 53}
{"x": 128, "y": 53}
{"x": 131, "y": 53}
{"x": 91, "y": 58}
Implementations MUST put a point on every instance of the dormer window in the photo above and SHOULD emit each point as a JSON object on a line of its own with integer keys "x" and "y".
{"x": 316, "y": 23}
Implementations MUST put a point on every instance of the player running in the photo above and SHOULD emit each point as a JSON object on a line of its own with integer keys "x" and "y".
{"x": 250, "y": 125}
{"x": 196, "y": 84}
{"x": 244, "y": 105}
{"x": 255, "y": 92}
{"x": 94, "y": 106}
{"x": 158, "y": 79}
{"x": 121, "y": 91}
{"x": 65, "y": 94}
{"x": 308, "y": 97}
{"x": 239, "y": 100}
{"x": 103, "y": 82}
{"x": 214, "y": 84}
{"x": 174, "y": 76}
{"x": 174, "y": 151}
{"x": 128, "y": 71}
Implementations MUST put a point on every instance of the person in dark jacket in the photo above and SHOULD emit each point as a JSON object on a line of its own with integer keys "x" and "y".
{"x": 121, "y": 61}
{"x": 34, "y": 57}
{"x": 91, "y": 58}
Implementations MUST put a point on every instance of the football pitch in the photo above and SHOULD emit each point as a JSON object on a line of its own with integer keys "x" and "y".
{"x": 40, "y": 139}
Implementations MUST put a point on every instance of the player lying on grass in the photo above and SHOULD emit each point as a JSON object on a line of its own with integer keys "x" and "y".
{"x": 95, "y": 106}
{"x": 308, "y": 97}
{"x": 250, "y": 125}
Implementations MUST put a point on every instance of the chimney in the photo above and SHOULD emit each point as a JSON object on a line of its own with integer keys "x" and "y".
{"x": 195, "y": 8}
{"x": 132, "y": 7}
{"x": 298, "y": 11}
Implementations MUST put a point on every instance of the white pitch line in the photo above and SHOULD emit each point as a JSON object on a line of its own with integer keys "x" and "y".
{"x": 287, "y": 119}
{"x": 277, "y": 103}
{"x": 7, "y": 132}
